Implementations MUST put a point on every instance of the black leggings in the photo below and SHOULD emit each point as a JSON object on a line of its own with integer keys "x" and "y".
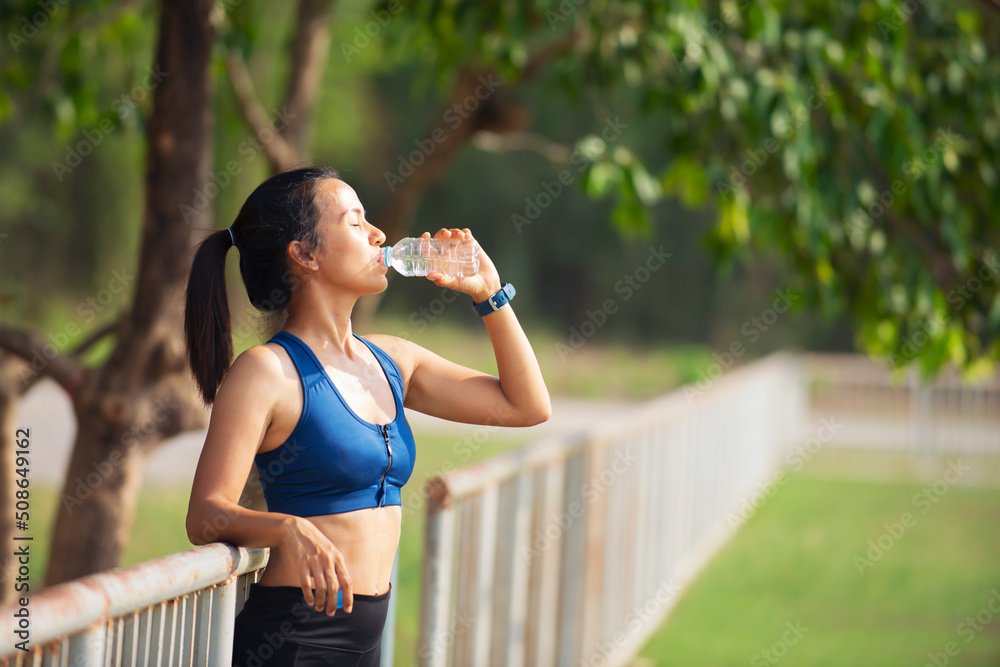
{"x": 277, "y": 627}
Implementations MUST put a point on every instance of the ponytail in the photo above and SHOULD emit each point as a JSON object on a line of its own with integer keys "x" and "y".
{"x": 280, "y": 210}
{"x": 207, "y": 331}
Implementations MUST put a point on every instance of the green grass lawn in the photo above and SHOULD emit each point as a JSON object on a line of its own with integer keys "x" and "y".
{"x": 792, "y": 563}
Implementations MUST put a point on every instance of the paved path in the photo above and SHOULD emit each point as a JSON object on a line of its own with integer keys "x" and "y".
{"x": 46, "y": 410}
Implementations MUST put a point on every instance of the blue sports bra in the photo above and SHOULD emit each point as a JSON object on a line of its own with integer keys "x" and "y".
{"x": 334, "y": 461}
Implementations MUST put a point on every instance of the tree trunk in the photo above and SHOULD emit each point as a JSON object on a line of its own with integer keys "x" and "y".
{"x": 144, "y": 393}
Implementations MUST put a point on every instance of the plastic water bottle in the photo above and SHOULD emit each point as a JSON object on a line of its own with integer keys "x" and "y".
{"x": 420, "y": 256}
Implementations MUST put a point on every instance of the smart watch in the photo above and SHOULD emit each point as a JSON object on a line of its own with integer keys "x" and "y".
{"x": 495, "y": 302}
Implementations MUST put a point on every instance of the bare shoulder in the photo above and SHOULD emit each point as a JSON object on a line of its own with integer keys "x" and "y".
{"x": 263, "y": 362}
{"x": 404, "y": 352}
{"x": 260, "y": 370}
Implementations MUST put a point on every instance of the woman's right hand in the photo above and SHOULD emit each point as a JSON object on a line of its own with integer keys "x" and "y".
{"x": 321, "y": 566}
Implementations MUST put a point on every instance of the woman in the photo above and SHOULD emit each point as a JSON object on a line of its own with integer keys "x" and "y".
{"x": 318, "y": 409}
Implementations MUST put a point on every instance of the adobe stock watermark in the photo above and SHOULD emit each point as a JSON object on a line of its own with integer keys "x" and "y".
{"x": 779, "y": 649}
{"x": 794, "y": 460}
{"x": 454, "y": 116}
{"x": 248, "y": 149}
{"x": 858, "y": 224}
{"x": 967, "y": 629}
{"x": 271, "y": 642}
{"x": 88, "y": 310}
{"x": 31, "y": 26}
{"x": 591, "y": 490}
{"x": 439, "y": 645}
{"x": 786, "y": 128}
{"x": 212, "y": 529}
{"x": 751, "y": 330}
{"x": 924, "y": 502}
{"x": 164, "y": 408}
{"x": 957, "y": 297}
{"x": 369, "y": 31}
{"x": 637, "y": 618}
{"x": 551, "y": 190}
{"x": 902, "y": 12}
{"x": 423, "y": 316}
{"x": 93, "y": 137}
{"x": 462, "y": 450}
{"x": 626, "y": 288}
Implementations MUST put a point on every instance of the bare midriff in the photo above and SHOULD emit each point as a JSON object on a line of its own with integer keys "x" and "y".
{"x": 367, "y": 538}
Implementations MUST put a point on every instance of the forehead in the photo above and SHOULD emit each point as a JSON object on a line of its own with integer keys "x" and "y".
{"x": 337, "y": 197}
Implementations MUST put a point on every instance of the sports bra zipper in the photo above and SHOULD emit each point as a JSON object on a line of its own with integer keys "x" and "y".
{"x": 388, "y": 450}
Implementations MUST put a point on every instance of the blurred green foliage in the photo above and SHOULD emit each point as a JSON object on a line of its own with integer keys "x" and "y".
{"x": 859, "y": 139}
{"x": 845, "y": 151}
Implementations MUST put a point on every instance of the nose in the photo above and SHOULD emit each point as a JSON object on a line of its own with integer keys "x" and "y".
{"x": 378, "y": 238}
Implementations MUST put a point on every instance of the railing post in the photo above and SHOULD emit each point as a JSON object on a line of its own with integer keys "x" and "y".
{"x": 545, "y": 594}
{"x": 589, "y": 615}
{"x": 389, "y": 632}
{"x": 435, "y": 593}
{"x": 88, "y": 648}
{"x": 517, "y": 614}
{"x": 221, "y": 623}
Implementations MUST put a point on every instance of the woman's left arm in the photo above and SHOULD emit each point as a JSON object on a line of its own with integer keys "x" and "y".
{"x": 438, "y": 387}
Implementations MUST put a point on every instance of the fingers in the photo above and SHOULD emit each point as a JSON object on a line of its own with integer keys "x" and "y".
{"x": 346, "y": 587}
{"x": 338, "y": 580}
{"x": 322, "y": 579}
{"x": 445, "y": 233}
{"x": 442, "y": 280}
{"x": 306, "y": 582}
{"x": 321, "y": 582}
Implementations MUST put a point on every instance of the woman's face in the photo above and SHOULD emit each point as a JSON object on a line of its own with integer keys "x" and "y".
{"x": 348, "y": 258}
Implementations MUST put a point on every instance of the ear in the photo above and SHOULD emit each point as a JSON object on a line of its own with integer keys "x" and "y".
{"x": 298, "y": 254}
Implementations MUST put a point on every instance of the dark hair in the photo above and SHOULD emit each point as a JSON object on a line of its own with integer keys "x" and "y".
{"x": 281, "y": 210}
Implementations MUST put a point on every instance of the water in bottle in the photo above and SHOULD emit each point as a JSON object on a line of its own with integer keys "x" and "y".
{"x": 420, "y": 256}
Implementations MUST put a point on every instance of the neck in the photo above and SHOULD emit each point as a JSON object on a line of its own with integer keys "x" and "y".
{"x": 324, "y": 319}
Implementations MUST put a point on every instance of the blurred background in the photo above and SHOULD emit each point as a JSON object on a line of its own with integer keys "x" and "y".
{"x": 675, "y": 189}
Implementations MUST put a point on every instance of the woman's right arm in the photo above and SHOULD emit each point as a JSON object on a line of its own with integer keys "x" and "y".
{"x": 241, "y": 415}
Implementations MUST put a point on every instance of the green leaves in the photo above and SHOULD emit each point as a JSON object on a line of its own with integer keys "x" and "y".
{"x": 859, "y": 139}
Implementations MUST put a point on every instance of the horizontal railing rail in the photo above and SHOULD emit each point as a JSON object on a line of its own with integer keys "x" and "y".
{"x": 174, "y": 610}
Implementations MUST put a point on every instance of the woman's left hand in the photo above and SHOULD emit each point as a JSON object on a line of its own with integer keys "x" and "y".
{"x": 480, "y": 286}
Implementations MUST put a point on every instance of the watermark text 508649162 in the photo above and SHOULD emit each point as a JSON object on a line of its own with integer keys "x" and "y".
{"x": 22, "y": 552}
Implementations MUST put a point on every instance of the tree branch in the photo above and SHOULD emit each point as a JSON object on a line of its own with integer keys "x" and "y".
{"x": 66, "y": 370}
{"x": 537, "y": 61}
{"x": 77, "y": 353}
{"x": 310, "y": 48}
{"x": 522, "y": 141}
{"x": 280, "y": 153}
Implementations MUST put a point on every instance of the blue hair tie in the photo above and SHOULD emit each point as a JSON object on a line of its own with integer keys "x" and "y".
{"x": 230, "y": 230}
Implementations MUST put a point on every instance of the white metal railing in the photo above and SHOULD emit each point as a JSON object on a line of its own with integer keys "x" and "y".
{"x": 572, "y": 551}
{"x": 553, "y": 556}
{"x": 174, "y": 610}
{"x": 880, "y": 411}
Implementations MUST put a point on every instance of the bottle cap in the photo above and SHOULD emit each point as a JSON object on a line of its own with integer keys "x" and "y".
{"x": 385, "y": 256}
